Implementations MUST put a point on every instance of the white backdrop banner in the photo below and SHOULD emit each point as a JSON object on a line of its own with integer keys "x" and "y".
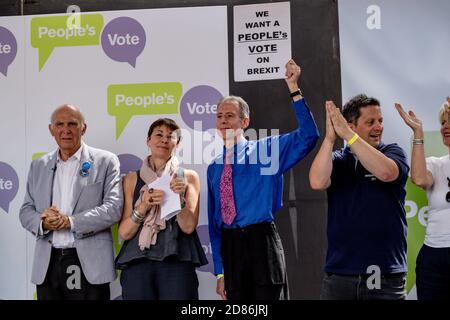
{"x": 124, "y": 69}
{"x": 13, "y": 164}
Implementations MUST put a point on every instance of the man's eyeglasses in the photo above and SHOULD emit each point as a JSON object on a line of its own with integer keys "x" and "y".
{"x": 447, "y": 196}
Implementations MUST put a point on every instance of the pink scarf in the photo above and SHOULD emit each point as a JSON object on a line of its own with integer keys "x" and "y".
{"x": 153, "y": 222}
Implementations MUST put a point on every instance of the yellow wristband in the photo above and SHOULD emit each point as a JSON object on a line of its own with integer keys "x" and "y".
{"x": 353, "y": 139}
{"x": 219, "y": 276}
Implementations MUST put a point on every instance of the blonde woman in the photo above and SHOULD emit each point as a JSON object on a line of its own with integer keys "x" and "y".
{"x": 433, "y": 175}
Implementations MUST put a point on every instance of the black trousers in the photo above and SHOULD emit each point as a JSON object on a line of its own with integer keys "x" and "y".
{"x": 355, "y": 287}
{"x": 65, "y": 280}
{"x": 159, "y": 280}
{"x": 254, "y": 263}
{"x": 433, "y": 273}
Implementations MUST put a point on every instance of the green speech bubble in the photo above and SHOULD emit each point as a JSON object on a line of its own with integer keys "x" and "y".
{"x": 128, "y": 100}
{"x": 48, "y": 33}
{"x": 416, "y": 231}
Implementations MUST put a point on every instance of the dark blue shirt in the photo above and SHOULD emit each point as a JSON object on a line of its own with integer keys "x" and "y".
{"x": 366, "y": 217}
{"x": 258, "y": 168}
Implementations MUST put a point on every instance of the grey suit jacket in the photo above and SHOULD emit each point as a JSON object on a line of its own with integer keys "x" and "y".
{"x": 98, "y": 202}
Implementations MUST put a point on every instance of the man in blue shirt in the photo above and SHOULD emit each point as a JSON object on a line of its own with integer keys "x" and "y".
{"x": 245, "y": 186}
{"x": 365, "y": 183}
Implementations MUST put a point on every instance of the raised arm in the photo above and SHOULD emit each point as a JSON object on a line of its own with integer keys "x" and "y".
{"x": 292, "y": 74}
{"x": 420, "y": 176}
{"x": 322, "y": 166}
{"x": 295, "y": 145}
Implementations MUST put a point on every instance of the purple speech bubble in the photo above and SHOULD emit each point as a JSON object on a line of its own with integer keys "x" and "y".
{"x": 8, "y": 49}
{"x": 123, "y": 40}
{"x": 129, "y": 163}
{"x": 9, "y": 184}
{"x": 203, "y": 234}
{"x": 199, "y": 104}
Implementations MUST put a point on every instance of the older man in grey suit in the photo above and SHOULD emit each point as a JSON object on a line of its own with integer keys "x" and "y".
{"x": 72, "y": 199}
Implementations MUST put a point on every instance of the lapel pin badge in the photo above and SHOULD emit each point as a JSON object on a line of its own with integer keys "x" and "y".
{"x": 84, "y": 171}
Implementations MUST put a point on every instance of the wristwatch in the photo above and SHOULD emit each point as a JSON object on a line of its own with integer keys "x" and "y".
{"x": 296, "y": 93}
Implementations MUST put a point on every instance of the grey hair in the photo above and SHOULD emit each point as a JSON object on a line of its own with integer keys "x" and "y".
{"x": 244, "y": 110}
{"x": 74, "y": 108}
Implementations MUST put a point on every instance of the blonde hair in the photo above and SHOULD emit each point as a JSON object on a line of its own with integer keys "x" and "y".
{"x": 442, "y": 112}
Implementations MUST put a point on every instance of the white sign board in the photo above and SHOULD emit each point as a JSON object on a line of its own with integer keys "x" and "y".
{"x": 262, "y": 41}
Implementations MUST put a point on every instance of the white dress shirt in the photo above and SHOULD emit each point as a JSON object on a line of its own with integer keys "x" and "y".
{"x": 65, "y": 175}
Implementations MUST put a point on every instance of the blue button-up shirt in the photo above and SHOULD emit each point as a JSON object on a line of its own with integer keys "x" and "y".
{"x": 258, "y": 168}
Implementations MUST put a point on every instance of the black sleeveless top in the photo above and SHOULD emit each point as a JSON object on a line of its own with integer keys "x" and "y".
{"x": 172, "y": 243}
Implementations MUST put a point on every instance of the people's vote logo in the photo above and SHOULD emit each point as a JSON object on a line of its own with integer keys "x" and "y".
{"x": 50, "y": 32}
{"x": 8, "y": 49}
{"x": 129, "y": 163}
{"x": 198, "y": 107}
{"x": 9, "y": 184}
{"x": 123, "y": 40}
{"x": 203, "y": 234}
